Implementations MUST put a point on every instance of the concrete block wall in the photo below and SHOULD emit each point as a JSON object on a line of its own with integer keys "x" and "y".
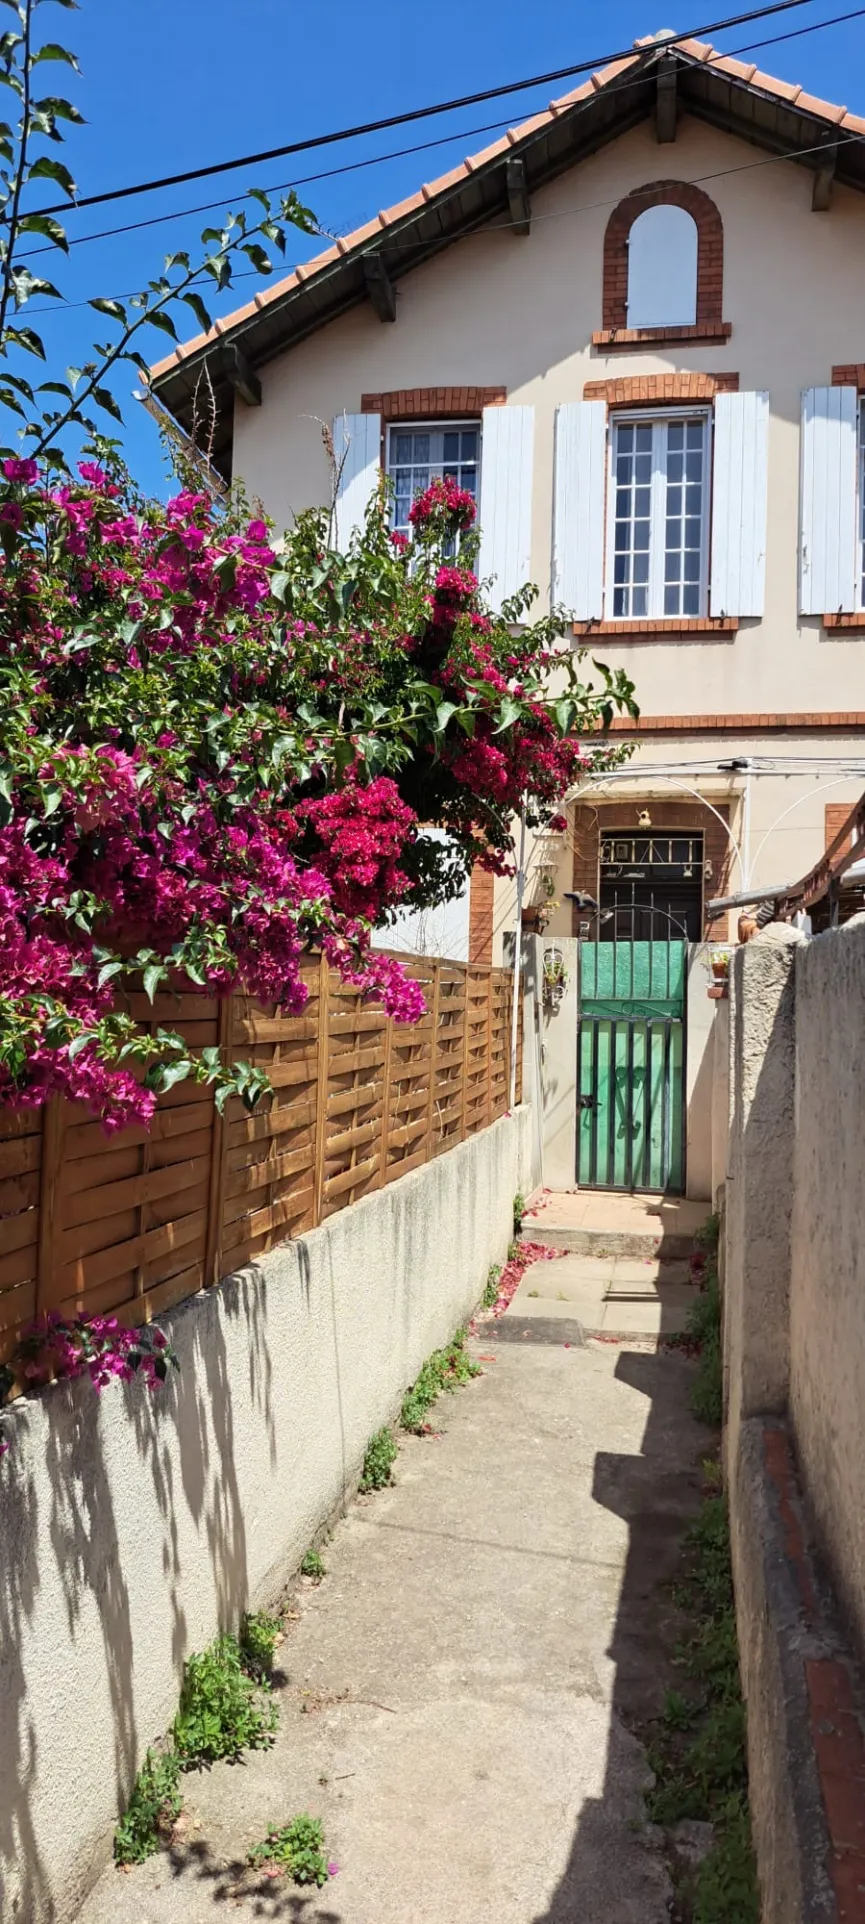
{"x": 134, "y": 1528}
{"x": 794, "y": 1358}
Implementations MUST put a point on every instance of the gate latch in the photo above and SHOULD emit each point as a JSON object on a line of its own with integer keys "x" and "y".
{"x": 587, "y": 1102}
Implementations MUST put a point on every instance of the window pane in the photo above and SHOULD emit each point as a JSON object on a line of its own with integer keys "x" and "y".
{"x": 662, "y": 268}
{"x": 683, "y": 535}
{"x": 417, "y": 456}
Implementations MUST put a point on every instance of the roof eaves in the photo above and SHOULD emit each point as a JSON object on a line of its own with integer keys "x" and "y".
{"x": 391, "y": 216}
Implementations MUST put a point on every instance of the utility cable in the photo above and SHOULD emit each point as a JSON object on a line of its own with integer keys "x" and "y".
{"x": 418, "y": 113}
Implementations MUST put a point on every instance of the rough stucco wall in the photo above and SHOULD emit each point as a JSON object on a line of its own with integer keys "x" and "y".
{"x": 758, "y": 1196}
{"x": 134, "y": 1528}
{"x": 827, "y": 1289}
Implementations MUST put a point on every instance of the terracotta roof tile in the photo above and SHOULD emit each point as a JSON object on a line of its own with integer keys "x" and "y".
{"x": 389, "y": 217}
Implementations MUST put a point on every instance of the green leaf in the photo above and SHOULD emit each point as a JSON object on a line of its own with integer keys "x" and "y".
{"x": 444, "y": 712}
{"x": 51, "y": 51}
{"x": 105, "y": 399}
{"x": 47, "y": 225}
{"x": 164, "y": 322}
{"x": 114, "y": 309}
{"x": 27, "y": 337}
{"x": 58, "y": 109}
{"x": 152, "y": 977}
{"x": 47, "y": 169}
{"x": 511, "y": 712}
{"x": 199, "y": 310}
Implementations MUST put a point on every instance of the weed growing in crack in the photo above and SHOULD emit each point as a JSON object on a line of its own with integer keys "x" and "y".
{"x": 223, "y": 1710}
{"x": 312, "y": 1566}
{"x": 441, "y": 1371}
{"x": 519, "y": 1211}
{"x": 698, "y": 1750}
{"x": 491, "y": 1286}
{"x": 258, "y": 1635}
{"x": 298, "y": 1850}
{"x": 378, "y": 1461}
{"x": 154, "y": 1805}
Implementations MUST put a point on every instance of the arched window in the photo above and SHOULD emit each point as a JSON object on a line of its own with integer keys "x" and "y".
{"x": 662, "y": 268}
{"x": 664, "y": 263}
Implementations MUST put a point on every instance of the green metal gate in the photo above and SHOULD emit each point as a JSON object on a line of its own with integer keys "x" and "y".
{"x": 631, "y": 1066}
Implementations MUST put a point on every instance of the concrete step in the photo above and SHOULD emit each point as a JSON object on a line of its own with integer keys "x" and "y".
{"x": 609, "y": 1242}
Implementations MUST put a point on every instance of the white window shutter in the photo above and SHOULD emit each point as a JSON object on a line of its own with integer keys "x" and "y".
{"x": 357, "y": 449}
{"x": 579, "y": 508}
{"x": 739, "y": 468}
{"x": 827, "y": 553}
{"x": 507, "y": 461}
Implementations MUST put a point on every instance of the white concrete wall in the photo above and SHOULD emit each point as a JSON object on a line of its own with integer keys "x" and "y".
{"x": 827, "y": 1281}
{"x": 794, "y": 1268}
{"x": 133, "y": 1528}
{"x": 699, "y": 1043}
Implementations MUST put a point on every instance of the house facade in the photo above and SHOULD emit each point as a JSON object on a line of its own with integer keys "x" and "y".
{"x": 634, "y": 327}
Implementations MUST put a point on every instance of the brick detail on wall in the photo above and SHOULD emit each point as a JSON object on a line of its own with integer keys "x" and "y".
{"x": 835, "y": 815}
{"x": 849, "y": 374}
{"x": 736, "y": 724}
{"x": 709, "y": 333}
{"x": 432, "y": 403}
{"x": 659, "y": 390}
{"x": 710, "y": 249}
{"x": 592, "y": 820}
{"x": 481, "y": 899}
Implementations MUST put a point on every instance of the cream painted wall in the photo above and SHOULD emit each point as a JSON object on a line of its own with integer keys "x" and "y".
{"x": 791, "y": 845}
{"x": 495, "y": 309}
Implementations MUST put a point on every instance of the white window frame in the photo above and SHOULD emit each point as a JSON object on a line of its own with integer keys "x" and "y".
{"x": 470, "y": 424}
{"x": 655, "y": 418}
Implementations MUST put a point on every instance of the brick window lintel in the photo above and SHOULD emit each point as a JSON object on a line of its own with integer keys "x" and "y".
{"x": 659, "y": 390}
{"x": 432, "y": 403}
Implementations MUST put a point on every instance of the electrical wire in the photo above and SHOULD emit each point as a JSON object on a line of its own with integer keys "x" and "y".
{"x": 417, "y": 113}
{"x": 424, "y": 146}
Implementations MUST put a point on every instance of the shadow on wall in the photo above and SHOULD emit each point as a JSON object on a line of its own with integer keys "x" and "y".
{"x": 72, "y": 1545}
{"x": 658, "y": 1495}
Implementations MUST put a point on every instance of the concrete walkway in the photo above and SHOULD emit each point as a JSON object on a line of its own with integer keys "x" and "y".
{"x": 607, "y": 1295}
{"x": 460, "y": 1693}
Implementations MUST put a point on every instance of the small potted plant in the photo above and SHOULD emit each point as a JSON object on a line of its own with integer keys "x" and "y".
{"x": 555, "y": 977}
{"x": 720, "y": 962}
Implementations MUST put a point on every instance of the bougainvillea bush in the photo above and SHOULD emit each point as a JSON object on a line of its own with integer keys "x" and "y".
{"x": 217, "y": 750}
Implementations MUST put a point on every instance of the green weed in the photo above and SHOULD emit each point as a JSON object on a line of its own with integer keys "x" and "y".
{"x": 491, "y": 1286}
{"x": 312, "y": 1566}
{"x": 298, "y": 1849}
{"x": 678, "y": 1712}
{"x": 698, "y": 1751}
{"x": 444, "y": 1370}
{"x": 378, "y": 1461}
{"x": 223, "y": 1710}
{"x": 519, "y": 1211}
{"x": 154, "y": 1805}
{"x": 258, "y": 1634}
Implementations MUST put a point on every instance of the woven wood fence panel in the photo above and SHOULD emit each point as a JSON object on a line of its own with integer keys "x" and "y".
{"x": 132, "y": 1223}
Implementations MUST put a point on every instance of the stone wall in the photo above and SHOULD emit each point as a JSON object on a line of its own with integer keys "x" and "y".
{"x": 794, "y": 1360}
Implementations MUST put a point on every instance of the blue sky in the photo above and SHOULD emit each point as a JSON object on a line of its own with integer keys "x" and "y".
{"x": 172, "y": 84}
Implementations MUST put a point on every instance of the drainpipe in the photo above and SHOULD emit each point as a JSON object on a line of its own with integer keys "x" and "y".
{"x": 518, "y": 960}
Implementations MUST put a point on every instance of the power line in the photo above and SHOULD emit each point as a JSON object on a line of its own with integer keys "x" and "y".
{"x": 417, "y": 113}
{"x": 400, "y": 153}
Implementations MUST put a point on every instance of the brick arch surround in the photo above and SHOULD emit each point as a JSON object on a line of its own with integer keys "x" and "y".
{"x": 710, "y": 248}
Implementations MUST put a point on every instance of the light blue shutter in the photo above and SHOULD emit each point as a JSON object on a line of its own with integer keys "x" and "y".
{"x": 357, "y": 449}
{"x": 578, "y": 508}
{"x": 507, "y": 461}
{"x": 741, "y": 447}
{"x": 827, "y": 554}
